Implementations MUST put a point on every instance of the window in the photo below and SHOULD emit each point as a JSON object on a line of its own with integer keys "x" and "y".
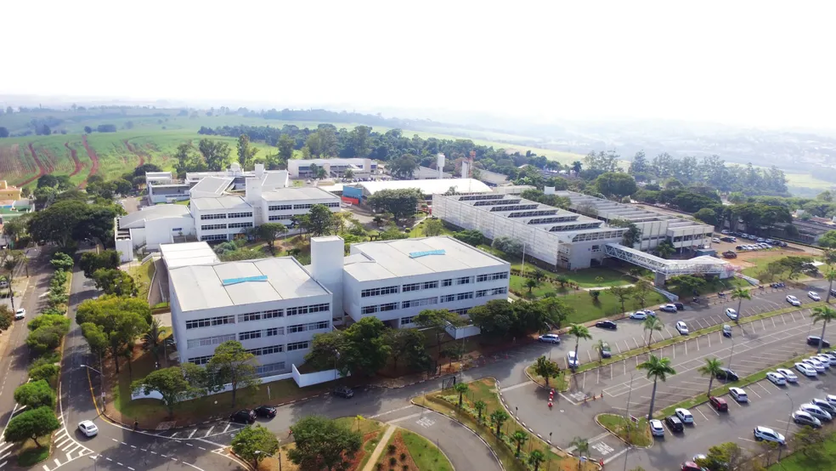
{"x": 274, "y": 331}
{"x": 270, "y": 369}
{"x": 212, "y": 227}
{"x": 176, "y": 229}
{"x": 366, "y": 293}
{"x": 482, "y": 293}
{"x": 298, "y": 346}
{"x": 213, "y": 237}
{"x": 369, "y": 309}
{"x": 210, "y": 321}
{"x": 388, "y": 307}
{"x": 492, "y": 276}
{"x": 223, "y": 320}
{"x": 419, "y": 302}
{"x": 292, "y": 311}
{"x": 266, "y": 350}
{"x": 253, "y": 334}
{"x": 200, "y": 360}
{"x": 280, "y": 207}
{"x": 236, "y": 225}
{"x": 411, "y": 287}
{"x": 279, "y": 218}
{"x": 462, "y": 296}
{"x": 407, "y": 320}
{"x": 302, "y": 206}
{"x": 460, "y": 312}
{"x": 448, "y": 298}
{"x": 463, "y": 280}
{"x": 333, "y": 205}
{"x": 250, "y": 316}
{"x": 209, "y": 341}
{"x": 239, "y": 215}
{"x": 447, "y": 282}
{"x": 307, "y": 327}
{"x": 430, "y": 285}
{"x": 497, "y": 291}
{"x": 204, "y": 217}
{"x": 273, "y": 313}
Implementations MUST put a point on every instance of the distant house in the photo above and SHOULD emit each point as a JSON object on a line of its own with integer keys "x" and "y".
{"x": 490, "y": 178}
{"x": 9, "y": 192}
{"x": 427, "y": 173}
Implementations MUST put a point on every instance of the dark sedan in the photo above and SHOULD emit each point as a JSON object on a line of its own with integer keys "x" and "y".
{"x": 727, "y": 375}
{"x": 674, "y": 424}
{"x": 813, "y": 341}
{"x": 244, "y": 416}
{"x": 265, "y": 411}
{"x": 607, "y": 325}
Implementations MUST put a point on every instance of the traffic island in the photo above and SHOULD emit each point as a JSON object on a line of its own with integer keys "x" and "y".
{"x": 632, "y": 431}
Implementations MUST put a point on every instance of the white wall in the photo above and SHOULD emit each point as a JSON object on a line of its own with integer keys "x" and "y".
{"x": 125, "y": 249}
{"x": 309, "y": 379}
{"x": 164, "y": 230}
{"x": 459, "y": 333}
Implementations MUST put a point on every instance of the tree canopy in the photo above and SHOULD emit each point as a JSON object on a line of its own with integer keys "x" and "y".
{"x": 255, "y": 443}
{"x": 35, "y": 394}
{"x": 232, "y": 364}
{"x": 323, "y": 443}
{"x": 175, "y": 384}
{"x": 400, "y": 203}
{"x": 31, "y": 424}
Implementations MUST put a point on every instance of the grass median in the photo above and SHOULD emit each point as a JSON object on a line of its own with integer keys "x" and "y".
{"x": 685, "y": 338}
{"x": 637, "y": 434}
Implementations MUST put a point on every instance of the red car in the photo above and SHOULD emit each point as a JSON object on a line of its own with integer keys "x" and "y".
{"x": 691, "y": 466}
{"x": 719, "y": 404}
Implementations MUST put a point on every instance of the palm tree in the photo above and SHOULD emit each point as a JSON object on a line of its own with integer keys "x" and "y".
{"x": 829, "y": 275}
{"x": 599, "y": 345}
{"x": 581, "y": 447}
{"x": 579, "y": 332}
{"x": 651, "y": 324}
{"x": 153, "y": 338}
{"x": 536, "y": 458}
{"x": 711, "y": 368}
{"x": 658, "y": 368}
{"x": 480, "y": 406}
{"x": 519, "y": 437}
{"x": 499, "y": 417}
{"x": 11, "y": 260}
{"x": 824, "y": 314}
{"x": 740, "y": 294}
{"x": 461, "y": 388}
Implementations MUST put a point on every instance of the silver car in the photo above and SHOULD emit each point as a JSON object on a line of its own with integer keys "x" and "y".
{"x": 816, "y": 412}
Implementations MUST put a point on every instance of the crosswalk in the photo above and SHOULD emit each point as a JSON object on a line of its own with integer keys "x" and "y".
{"x": 5, "y": 452}
{"x": 216, "y": 431}
{"x": 66, "y": 449}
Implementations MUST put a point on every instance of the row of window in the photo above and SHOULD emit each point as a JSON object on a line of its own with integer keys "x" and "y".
{"x": 293, "y": 311}
{"x": 212, "y": 227}
{"x": 256, "y": 316}
{"x": 366, "y": 293}
{"x": 298, "y": 346}
{"x": 261, "y": 315}
{"x": 379, "y": 308}
{"x": 239, "y": 215}
{"x": 278, "y": 218}
{"x": 210, "y": 322}
{"x": 237, "y": 225}
{"x": 420, "y": 286}
{"x": 448, "y": 298}
{"x": 261, "y": 352}
{"x": 280, "y": 207}
{"x": 270, "y": 369}
{"x": 205, "y": 217}
{"x": 209, "y": 341}
{"x": 491, "y": 292}
{"x": 492, "y": 276}
{"x": 419, "y": 302}
{"x": 464, "y": 280}
{"x": 292, "y": 329}
{"x": 209, "y": 238}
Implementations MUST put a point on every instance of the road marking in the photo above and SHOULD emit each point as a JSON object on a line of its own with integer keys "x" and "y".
{"x": 193, "y": 431}
{"x": 703, "y": 415}
{"x": 709, "y": 340}
{"x": 57, "y": 463}
{"x": 509, "y": 388}
{"x": 637, "y": 342}
{"x": 226, "y": 428}
{"x": 209, "y": 431}
{"x": 748, "y": 440}
{"x": 173, "y": 434}
{"x": 793, "y": 316}
{"x": 686, "y": 347}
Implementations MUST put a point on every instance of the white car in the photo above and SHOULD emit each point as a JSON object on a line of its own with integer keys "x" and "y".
{"x": 816, "y": 412}
{"x": 549, "y": 338}
{"x": 793, "y": 300}
{"x": 682, "y": 328}
{"x": 738, "y": 394}
{"x": 639, "y": 315}
{"x": 817, "y": 365}
{"x": 831, "y": 399}
{"x": 20, "y": 314}
{"x": 806, "y": 370}
{"x": 776, "y": 378}
{"x": 788, "y": 375}
{"x": 825, "y": 360}
{"x": 813, "y": 295}
{"x": 731, "y": 314}
{"x": 715, "y": 240}
{"x": 766, "y": 433}
{"x": 656, "y": 428}
{"x": 823, "y": 404}
{"x": 803, "y": 418}
{"x": 572, "y": 360}
{"x": 88, "y": 428}
{"x": 685, "y": 416}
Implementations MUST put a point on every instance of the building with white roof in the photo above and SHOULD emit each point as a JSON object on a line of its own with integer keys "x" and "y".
{"x": 164, "y": 188}
{"x": 221, "y": 218}
{"x": 281, "y": 205}
{"x": 152, "y": 226}
{"x": 301, "y": 168}
{"x": 358, "y": 192}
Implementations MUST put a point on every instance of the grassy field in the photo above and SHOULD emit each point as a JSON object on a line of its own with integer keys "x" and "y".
{"x": 635, "y": 434}
{"x": 801, "y": 462}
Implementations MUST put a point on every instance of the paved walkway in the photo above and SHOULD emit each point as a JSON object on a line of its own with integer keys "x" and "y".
{"x": 378, "y": 450}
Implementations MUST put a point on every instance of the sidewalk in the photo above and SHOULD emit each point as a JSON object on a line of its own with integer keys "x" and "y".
{"x": 378, "y": 450}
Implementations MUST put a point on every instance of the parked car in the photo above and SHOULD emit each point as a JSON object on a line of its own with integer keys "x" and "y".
{"x": 788, "y": 375}
{"x": 684, "y": 415}
{"x": 88, "y": 428}
{"x": 606, "y": 325}
{"x": 682, "y": 328}
{"x": 729, "y": 254}
{"x": 766, "y": 433}
{"x": 549, "y": 338}
{"x": 639, "y": 315}
{"x": 825, "y": 359}
{"x": 831, "y": 399}
{"x": 803, "y": 418}
{"x": 727, "y": 330}
{"x": 813, "y": 295}
{"x": 668, "y": 308}
{"x": 738, "y": 394}
{"x": 806, "y": 370}
{"x": 815, "y": 364}
{"x": 605, "y": 350}
{"x": 243, "y": 416}
{"x": 731, "y": 313}
{"x": 656, "y": 428}
{"x": 813, "y": 341}
{"x": 715, "y": 240}
{"x": 726, "y": 374}
{"x": 793, "y": 300}
{"x": 344, "y": 391}
{"x": 719, "y": 404}
{"x": 816, "y": 412}
{"x": 674, "y": 424}
{"x": 265, "y": 411}
{"x": 650, "y": 312}
{"x": 20, "y": 314}
{"x": 572, "y": 360}
{"x": 776, "y": 378}
{"x": 690, "y": 466}
{"x": 679, "y": 306}
{"x": 824, "y": 405}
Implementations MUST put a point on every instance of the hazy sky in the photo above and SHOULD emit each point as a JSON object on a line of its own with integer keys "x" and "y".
{"x": 755, "y": 63}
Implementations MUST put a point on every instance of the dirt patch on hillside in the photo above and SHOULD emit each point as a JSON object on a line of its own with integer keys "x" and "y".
{"x": 51, "y": 161}
{"x": 41, "y": 167}
{"x": 93, "y": 157}
{"x": 74, "y": 156}
{"x": 135, "y": 152}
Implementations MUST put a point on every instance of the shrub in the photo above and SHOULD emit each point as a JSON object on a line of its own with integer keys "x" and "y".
{"x": 392, "y": 449}
{"x": 393, "y": 461}
{"x": 47, "y": 372}
{"x": 403, "y": 456}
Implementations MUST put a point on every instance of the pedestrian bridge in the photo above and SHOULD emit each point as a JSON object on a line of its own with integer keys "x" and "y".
{"x": 704, "y": 265}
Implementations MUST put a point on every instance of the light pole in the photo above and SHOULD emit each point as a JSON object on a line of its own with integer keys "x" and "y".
{"x": 787, "y": 430}
{"x": 629, "y": 421}
{"x": 101, "y": 377}
{"x": 732, "y": 352}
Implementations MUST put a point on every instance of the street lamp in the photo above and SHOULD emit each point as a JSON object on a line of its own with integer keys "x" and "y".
{"x": 629, "y": 421}
{"x": 787, "y": 431}
{"x": 732, "y": 352}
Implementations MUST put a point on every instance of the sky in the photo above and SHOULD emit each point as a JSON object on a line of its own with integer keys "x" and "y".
{"x": 753, "y": 63}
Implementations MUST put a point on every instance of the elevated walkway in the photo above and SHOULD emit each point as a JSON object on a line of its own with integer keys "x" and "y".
{"x": 704, "y": 265}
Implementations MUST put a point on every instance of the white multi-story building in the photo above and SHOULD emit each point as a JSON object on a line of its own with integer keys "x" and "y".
{"x": 283, "y": 204}
{"x": 152, "y": 226}
{"x": 299, "y": 168}
{"x": 221, "y": 218}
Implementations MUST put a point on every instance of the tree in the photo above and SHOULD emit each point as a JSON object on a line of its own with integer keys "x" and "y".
{"x": 232, "y": 365}
{"x": 35, "y": 394}
{"x": 6, "y": 317}
{"x": 175, "y": 384}
{"x": 320, "y": 220}
{"x": 641, "y": 291}
{"x": 119, "y": 321}
{"x": 480, "y": 406}
{"x": 536, "y": 458}
{"x": 461, "y": 389}
{"x": 31, "y": 424}
{"x": 153, "y": 339}
{"x": 581, "y": 447}
{"x": 68, "y": 221}
{"x": 507, "y": 245}
{"x": 50, "y": 320}
{"x": 651, "y": 324}
{"x": 186, "y": 160}
{"x": 830, "y": 276}
{"x": 254, "y": 443}
{"x": 616, "y": 184}
{"x": 546, "y": 368}
{"x": 325, "y": 352}
{"x": 286, "y": 145}
{"x": 810, "y": 441}
{"x": 270, "y": 232}
{"x": 707, "y": 215}
{"x": 579, "y": 332}
{"x": 498, "y": 417}
{"x": 531, "y": 283}
{"x": 711, "y": 368}
{"x": 245, "y": 152}
{"x": 496, "y": 318}
{"x": 519, "y": 438}
{"x": 433, "y": 227}
{"x": 46, "y": 337}
{"x": 400, "y": 203}
{"x": 365, "y": 350}
{"x": 403, "y": 167}
{"x": 622, "y": 294}
{"x": 657, "y": 368}
{"x": 402, "y": 342}
{"x": 215, "y": 154}
{"x": 321, "y": 442}
{"x": 88, "y": 130}
{"x": 114, "y": 281}
{"x": 470, "y": 237}
{"x": 11, "y": 260}
{"x": 556, "y": 311}
{"x": 725, "y": 456}
{"x": 687, "y": 283}
{"x": 436, "y": 319}
{"x": 740, "y": 294}
{"x": 824, "y": 314}
{"x": 358, "y": 142}
{"x": 45, "y": 371}
{"x": 61, "y": 261}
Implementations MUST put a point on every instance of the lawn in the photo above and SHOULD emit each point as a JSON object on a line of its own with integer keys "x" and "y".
{"x": 800, "y": 462}
{"x": 142, "y": 275}
{"x": 427, "y": 457}
{"x": 711, "y": 286}
{"x": 29, "y": 454}
{"x": 626, "y": 429}
{"x": 760, "y": 264}
{"x": 559, "y": 384}
{"x": 587, "y": 309}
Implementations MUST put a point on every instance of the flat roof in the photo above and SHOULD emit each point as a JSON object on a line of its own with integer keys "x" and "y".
{"x": 212, "y": 185}
{"x": 244, "y": 282}
{"x": 222, "y": 202}
{"x": 428, "y": 187}
{"x": 188, "y": 253}
{"x": 297, "y": 194}
{"x": 135, "y": 219}
{"x": 409, "y": 257}
{"x": 429, "y": 173}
